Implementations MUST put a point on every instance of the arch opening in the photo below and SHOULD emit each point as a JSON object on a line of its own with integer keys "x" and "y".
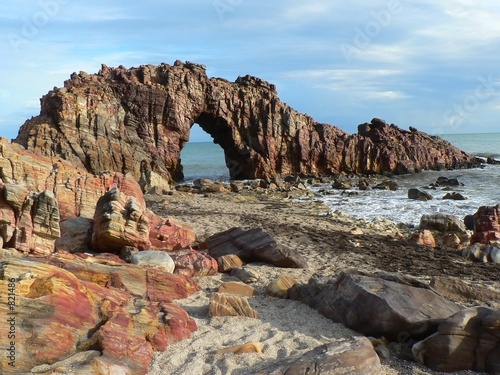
{"x": 202, "y": 157}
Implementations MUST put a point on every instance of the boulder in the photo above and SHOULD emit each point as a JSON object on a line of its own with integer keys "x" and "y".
{"x": 486, "y": 225}
{"x": 154, "y": 258}
{"x": 424, "y": 238}
{"x": 253, "y": 245}
{"x": 345, "y": 356}
{"x": 230, "y": 305}
{"x": 468, "y": 340}
{"x": 442, "y": 223}
{"x": 482, "y": 253}
{"x": 418, "y": 194}
{"x": 387, "y": 185}
{"x": 455, "y": 196}
{"x": 146, "y": 141}
{"x": 194, "y": 263}
{"x": 228, "y": 262}
{"x": 445, "y": 181}
{"x": 280, "y": 287}
{"x": 377, "y": 304}
{"x": 452, "y": 241}
{"x": 119, "y": 221}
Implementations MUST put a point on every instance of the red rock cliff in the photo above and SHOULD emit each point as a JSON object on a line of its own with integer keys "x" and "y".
{"x": 137, "y": 121}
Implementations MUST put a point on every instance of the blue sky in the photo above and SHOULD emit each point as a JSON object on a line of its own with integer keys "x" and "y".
{"x": 433, "y": 65}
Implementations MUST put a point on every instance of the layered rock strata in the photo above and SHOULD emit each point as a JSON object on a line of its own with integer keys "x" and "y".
{"x": 138, "y": 120}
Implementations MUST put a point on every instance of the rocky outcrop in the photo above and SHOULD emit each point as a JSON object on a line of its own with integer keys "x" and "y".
{"x": 486, "y": 225}
{"x": 138, "y": 120}
{"x": 69, "y": 304}
{"x": 38, "y": 193}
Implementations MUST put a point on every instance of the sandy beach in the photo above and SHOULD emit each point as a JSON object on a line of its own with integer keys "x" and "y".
{"x": 286, "y": 328}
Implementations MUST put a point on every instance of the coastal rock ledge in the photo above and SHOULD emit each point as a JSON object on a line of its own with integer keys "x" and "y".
{"x": 138, "y": 120}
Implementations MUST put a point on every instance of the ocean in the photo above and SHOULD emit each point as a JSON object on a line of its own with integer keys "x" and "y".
{"x": 481, "y": 185}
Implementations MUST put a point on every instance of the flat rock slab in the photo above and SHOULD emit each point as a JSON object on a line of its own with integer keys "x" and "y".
{"x": 377, "y": 304}
{"x": 346, "y": 356}
{"x": 253, "y": 245}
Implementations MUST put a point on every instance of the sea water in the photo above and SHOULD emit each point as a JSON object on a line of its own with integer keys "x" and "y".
{"x": 481, "y": 185}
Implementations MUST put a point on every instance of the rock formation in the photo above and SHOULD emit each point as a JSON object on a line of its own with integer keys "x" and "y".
{"x": 138, "y": 120}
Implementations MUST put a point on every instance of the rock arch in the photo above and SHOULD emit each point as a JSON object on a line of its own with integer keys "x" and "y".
{"x": 137, "y": 121}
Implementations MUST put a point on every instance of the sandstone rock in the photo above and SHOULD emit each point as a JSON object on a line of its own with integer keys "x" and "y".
{"x": 486, "y": 225}
{"x": 7, "y": 221}
{"x": 387, "y": 185}
{"x": 356, "y": 231}
{"x": 376, "y": 304}
{"x": 346, "y": 356}
{"x": 424, "y": 238}
{"x": 253, "y": 245}
{"x": 75, "y": 237}
{"x": 418, "y": 194}
{"x": 137, "y": 121}
{"x": 442, "y": 223}
{"x": 236, "y": 288}
{"x": 455, "y": 196}
{"x": 246, "y": 275}
{"x": 169, "y": 234}
{"x": 154, "y": 258}
{"x": 228, "y": 262}
{"x": 119, "y": 221}
{"x": 237, "y": 186}
{"x": 194, "y": 263}
{"x": 445, "y": 181}
{"x": 468, "y": 340}
{"x": 229, "y": 305}
{"x": 279, "y": 288}
{"x": 63, "y": 311}
{"x": 252, "y": 347}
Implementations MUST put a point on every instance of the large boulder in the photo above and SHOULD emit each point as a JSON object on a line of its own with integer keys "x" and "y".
{"x": 253, "y": 245}
{"x": 468, "y": 340}
{"x": 138, "y": 120}
{"x": 377, "y": 304}
{"x": 442, "y": 223}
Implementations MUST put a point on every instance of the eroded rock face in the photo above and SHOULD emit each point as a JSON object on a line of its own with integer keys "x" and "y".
{"x": 137, "y": 121}
{"x": 75, "y": 304}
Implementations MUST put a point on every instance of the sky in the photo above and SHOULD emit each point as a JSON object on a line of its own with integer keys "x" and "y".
{"x": 433, "y": 65}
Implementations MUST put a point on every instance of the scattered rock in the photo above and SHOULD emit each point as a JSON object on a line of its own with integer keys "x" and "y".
{"x": 482, "y": 253}
{"x": 356, "y": 231}
{"x": 418, "y": 194}
{"x": 442, "y": 223}
{"x": 154, "y": 258}
{"x": 279, "y": 288}
{"x": 236, "y": 288}
{"x": 452, "y": 241}
{"x": 376, "y": 304}
{"x": 253, "y": 245}
{"x": 468, "y": 340}
{"x": 246, "y": 275}
{"x": 455, "y": 196}
{"x": 252, "y": 347}
{"x": 194, "y": 263}
{"x": 387, "y": 185}
{"x": 424, "y": 238}
{"x": 445, "y": 181}
{"x": 345, "y": 356}
{"x": 229, "y": 305}
{"x": 341, "y": 184}
{"x": 228, "y": 262}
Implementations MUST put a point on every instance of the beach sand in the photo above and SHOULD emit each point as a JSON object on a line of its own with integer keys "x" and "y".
{"x": 285, "y": 328}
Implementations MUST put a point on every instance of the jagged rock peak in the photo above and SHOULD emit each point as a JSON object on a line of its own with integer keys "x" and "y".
{"x": 138, "y": 120}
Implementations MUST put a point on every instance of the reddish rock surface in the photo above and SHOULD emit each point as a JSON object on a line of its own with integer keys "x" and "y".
{"x": 73, "y": 304}
{"x": 137, "y": 121}
{"x": 486, "y": 225}
{"x": 194, "y": 263}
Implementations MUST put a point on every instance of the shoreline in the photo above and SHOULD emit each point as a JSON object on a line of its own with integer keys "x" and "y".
{"x": 329, "y": 245}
